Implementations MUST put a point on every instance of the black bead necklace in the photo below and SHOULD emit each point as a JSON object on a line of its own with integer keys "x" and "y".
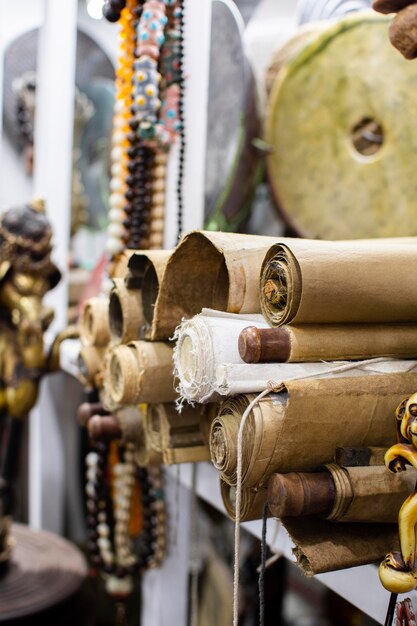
{"x": 112, "y": 9}
{"x": 181, "y": 117}
{"x": 110, "y": 549}
{"x": 137, "y": 195}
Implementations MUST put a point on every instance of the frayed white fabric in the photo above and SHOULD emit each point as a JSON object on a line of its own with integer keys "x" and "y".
{"x": 203, "y": 343}
{"x": 208, "y": 367}
{"x": 233, "y": 379}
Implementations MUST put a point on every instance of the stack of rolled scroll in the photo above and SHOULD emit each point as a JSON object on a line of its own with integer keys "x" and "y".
{"x": 132, "y": 370}
{"x": 339, "y": 358}
{"x": 333, "y": 337}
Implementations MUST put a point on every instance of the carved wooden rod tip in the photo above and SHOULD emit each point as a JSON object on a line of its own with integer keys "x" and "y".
{"x": 249, "y": 344}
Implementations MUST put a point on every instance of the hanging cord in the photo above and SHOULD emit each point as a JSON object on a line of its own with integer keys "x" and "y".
{"x": 238, "y": 504}
{"x": 181, "y": 157}
{"x": 194, "y": 550}
{"x": 391, "y": 609}
{"x": 175, "y": 525}
{"x": 261, "y": 580}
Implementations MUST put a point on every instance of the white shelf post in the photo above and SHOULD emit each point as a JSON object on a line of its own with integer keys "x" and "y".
{"x": 52, "y": 179}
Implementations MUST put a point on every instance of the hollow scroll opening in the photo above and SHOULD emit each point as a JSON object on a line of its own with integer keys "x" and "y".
{"x": 150, "y": 291}
{"x": 367, "y": 136}
{"x": 115, "y": 316}
{"x": 196, "y": 277}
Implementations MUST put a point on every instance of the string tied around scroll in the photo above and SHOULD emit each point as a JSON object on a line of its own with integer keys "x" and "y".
{"x": 245, "y": 416}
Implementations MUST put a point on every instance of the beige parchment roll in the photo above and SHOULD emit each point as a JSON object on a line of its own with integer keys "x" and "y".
{"x": 322, "y": 546}
{"x": 90, "y": 363}
{"x": 94, "y": 323}
{"x": 210, "y": 413}
{"x": 152, "y": 425}
{"x": 209, "y": 270}
{"x": 341, "y": 494}
{"x": 146, "y": 269}
{"x": 130, "y": 418}
{"x": 147, "y": 441}
{"x": 299, "y": 428}
{"x": 180, "y": 433}
{"x": 118, "y": 268}
{"x": 251, "y": 504}
{"x": 125, "y": 312}
{"x": 328, "y": 342}
{"x": 140, "y": 372}
{"x": 370, "y": 494}
{"x": 339, "y": 282}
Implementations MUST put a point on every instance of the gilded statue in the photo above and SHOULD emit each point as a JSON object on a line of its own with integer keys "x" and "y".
{"x": 27, "y": 273}
{"x": 398, "y": 571}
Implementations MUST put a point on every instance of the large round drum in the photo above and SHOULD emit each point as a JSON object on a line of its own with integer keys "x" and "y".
{"x": 343, "y": 137}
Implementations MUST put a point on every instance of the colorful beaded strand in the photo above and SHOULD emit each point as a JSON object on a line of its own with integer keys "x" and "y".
{"x": 119, "y": 157}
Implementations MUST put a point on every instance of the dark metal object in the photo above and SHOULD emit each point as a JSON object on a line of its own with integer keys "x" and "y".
{"x": 43, "y": 571}
{"x": 391, "y": 609}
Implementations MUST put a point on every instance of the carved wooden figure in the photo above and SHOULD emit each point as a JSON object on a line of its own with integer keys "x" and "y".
{"x": 398, "y": 571}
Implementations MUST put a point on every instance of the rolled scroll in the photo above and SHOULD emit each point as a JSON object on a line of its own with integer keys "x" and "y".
{"x": 94, "y": 324}
{"x": 209, "y": 269}
{"x": 152, "y": 426}
{"x": 181, "y": 437}
{"x": 327, "y": 342}
{"x": 146, "y": 270}
{"x": 322, "y": 546}
{"x": 342, "y": 494}
{"x": 209, "y": 414}
{"x": 299, "y": 428}
{"x": 140, "y": 372}
{"x": 233, "y": 379}
{"x": 339, "y": 283}
{"x": 203, "y": 343}
{"x": 148, "y": 441}
{"x": 90, "y": 363}
{"x": 251, "y": 504}
{"x": 125, "y": 312}
{"x": 358, "y": 183}
{"x": 131, "y": 420}
{"x": 118, "y": 266}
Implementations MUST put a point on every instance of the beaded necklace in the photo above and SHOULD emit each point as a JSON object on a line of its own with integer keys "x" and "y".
{"x": 146, "y": 124}
{"x": 120, "y": 146}
{"x": 181, "y": 100}
{"x": 109, "y": 493}
{"x": 149, "y": 115}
